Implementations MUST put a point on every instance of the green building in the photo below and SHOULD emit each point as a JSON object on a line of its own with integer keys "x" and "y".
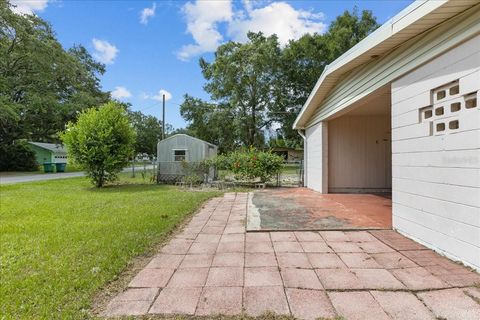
{"x": 49, "y": 152}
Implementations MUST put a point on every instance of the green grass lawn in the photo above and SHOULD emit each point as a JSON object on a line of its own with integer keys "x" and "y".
{"x": 62, "y": 240}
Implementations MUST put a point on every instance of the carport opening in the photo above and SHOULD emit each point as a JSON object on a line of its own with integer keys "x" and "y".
{"x": 360, "y": 147}
{"x": 360, "y": 156}
{"x": 359, "y": 164}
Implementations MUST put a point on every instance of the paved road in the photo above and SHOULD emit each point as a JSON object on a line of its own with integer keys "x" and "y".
{"x": 52, "y": 176}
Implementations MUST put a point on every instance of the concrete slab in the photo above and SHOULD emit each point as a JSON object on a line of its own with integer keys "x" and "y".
{"x": 235, "y": 259}
{"x": 225, "y": 277}
{"x": 176, "y": 301}
{"x": 357, "y": 306}
{"x": 188, "y": 278}
{"x": 137, "y": 294}
{"x": 293, "y": 260}
{"x": 165, "y": 261}
{"x": 402, "y": 305}
{"x": 359, "y": 260}
{"x": 220, "y": 300}
{"x": 260, "y": 260}
{"x": 304, "y": 209}
{"x": 127, "y": 308}
{"x": 418, "y": 278}
{"x": 287, "y": 246}
{"x": 197, "y": 261}
{"x": 325, "y": 261}
{"x": 262, "y": 276}
{"x": 315, "y": 246}
{"x": 259, "y": 300}
{"x": 451, "y": 304}
{"x": 151, "y": 278}
{"x": 309, "y": 304}
{"x": 300, "y": 278}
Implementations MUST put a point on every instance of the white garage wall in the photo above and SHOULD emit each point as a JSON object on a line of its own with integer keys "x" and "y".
{"x": 316, "y": 157}
{"x": 436, "y": 174}
{"x": 359, "y": 154}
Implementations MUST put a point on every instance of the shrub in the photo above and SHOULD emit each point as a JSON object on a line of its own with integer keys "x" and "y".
{"x": 195, "y": 171}
{"x": 101, "y": 142}
{"x": 250, "y": 164}
{"x": 17, "y": 157}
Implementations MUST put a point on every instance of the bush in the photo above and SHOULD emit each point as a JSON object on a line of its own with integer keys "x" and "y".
{"x": 101, "y": 142}
{"x": 17, "y": 157}
{"x": 195, "y": 171}
{"x": 250, "y": 164}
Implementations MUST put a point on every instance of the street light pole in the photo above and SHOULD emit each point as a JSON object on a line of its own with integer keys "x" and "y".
{"x": 163, "y": 118}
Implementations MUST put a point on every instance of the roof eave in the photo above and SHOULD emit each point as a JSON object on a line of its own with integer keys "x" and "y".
{"x": 367, "y": 49}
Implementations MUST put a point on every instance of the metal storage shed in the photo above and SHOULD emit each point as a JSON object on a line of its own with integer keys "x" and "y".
{"x": 175, "y": 151}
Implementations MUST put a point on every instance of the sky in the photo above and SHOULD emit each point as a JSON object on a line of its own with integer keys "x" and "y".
{"x": 152, "y": 48}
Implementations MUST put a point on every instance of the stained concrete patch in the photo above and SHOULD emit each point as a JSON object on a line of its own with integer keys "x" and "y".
{"x": 303, "y": 209}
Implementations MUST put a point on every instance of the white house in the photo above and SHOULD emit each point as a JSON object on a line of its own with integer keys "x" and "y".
{"x": 399, "y": 112}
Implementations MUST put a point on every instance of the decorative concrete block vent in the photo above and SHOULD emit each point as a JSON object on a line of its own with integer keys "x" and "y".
{"x": 447, "y": 105}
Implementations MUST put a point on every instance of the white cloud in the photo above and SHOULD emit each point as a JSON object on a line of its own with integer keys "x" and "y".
{"x": 121, "y": 93}
{"x": 147, "y": 13}
{"x": 28, "y": 6}
{"x": 278, "y": 18}
{"x": 159, "y": 96}
{"x": 104, "y": 51}
{"x": 202, "y": 22}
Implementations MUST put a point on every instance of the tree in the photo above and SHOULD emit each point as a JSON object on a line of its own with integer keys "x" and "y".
{"x": 17, "y": 157}
{"x": 257, "y": 85}
{"x": 42, "y": 86}
{"x": 148, "y": 132}
{"x": 347, "y": 30}
{"x": 101, "y": 142}
{"x": 244, "y": 79}
{"x": 210, "y": 122}
{"x": 304, "y": 60}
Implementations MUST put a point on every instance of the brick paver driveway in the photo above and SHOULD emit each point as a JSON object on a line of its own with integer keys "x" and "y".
{"x": 214, "y": 267}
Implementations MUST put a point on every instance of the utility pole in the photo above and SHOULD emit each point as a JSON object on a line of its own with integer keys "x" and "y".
{"x": 163, "y": 118}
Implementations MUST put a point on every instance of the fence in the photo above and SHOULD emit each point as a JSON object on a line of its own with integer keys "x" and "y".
{"x": 176, "y": 171}
{"x": 291, "y": 175}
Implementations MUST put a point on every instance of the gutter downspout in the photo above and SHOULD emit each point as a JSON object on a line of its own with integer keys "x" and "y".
{"x": 302, "y": 134}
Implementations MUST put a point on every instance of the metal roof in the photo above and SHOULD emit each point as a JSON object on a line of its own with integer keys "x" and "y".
{"x": 415, "y": 19}
{"x": 186, "y": 135}
{"x": 50, "y": 146}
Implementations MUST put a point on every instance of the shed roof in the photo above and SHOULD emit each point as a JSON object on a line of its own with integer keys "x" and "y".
{"x": 50, "y": 146}
{"x": 186, "y": 135}
{"x": 415, "y": 19}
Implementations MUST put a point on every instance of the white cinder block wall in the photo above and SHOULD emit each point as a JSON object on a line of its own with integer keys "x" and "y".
{"x": 436, "y": 153}
{"x": 316, "y": 156}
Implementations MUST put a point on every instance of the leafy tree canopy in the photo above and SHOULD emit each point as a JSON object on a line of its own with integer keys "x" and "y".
{"x": 256, "y": 84}
{"x": 210, "y": 122}
{"x": 42, "y": 86}
{"x": 149, "y": 131}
